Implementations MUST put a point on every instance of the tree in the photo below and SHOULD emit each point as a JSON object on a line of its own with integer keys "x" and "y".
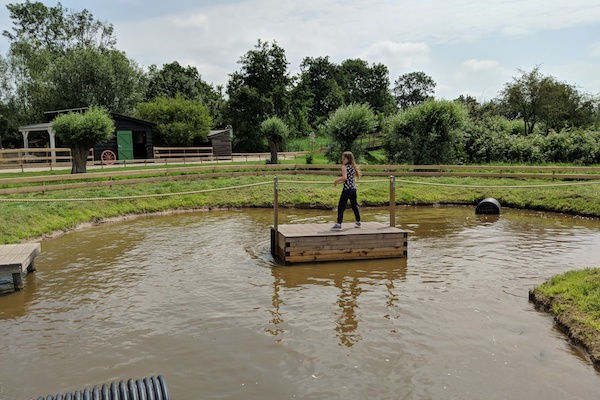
{"x": 56, "y": 29}
{"x": 179, "y": 122}
{"x": 81, "y": 131}
{"x": 259, "y": 90}
{"x": 319, "y": 77}
{"x": 275, "y": 131}
{"x": 173, "y": 80}
{"x": 523, "y": 97}
{"x": 87, "y": 76}
{"x": 347, "y": 124}
{"x": 479, "y": 111}
{"x": 535, "y": 98}
{"x": 362, "y": 84}
{"x": 424, "y": 134}
{"x": 413, "y": 88}
{"x": 40, "y": 35}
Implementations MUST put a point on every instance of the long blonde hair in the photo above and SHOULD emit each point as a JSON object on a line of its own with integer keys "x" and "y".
{"x": 350, "y": 157}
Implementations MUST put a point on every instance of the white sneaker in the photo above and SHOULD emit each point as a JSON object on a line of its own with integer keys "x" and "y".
{"x": 357, "y": 224}
{"x": 336, "y": 227}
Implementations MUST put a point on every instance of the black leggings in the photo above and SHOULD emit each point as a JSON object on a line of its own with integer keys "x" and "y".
{"x": 348, "y": 194}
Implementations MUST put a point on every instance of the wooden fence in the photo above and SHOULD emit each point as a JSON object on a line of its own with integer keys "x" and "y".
{"x": 35, "y": 157}
{"x": 109, "y": 178}
{"x": 32, "y": 157}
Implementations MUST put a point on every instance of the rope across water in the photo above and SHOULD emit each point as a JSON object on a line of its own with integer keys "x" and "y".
{"x": 406, "y": 181}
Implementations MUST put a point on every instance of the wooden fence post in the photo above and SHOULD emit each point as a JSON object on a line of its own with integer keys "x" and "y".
{"x": 275, "y": 202}
{"x": 392, "y": 200}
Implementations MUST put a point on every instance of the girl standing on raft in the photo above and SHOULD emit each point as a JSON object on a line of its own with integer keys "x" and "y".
{"x": 350, "y": 173}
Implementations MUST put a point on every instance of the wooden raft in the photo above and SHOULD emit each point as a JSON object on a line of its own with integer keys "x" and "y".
{"x": 294, "y": 243}
{"x": 18, "y": 259}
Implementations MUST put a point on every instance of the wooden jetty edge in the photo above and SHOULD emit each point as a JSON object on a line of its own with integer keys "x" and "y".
{"x": 294, "y": 243}
{"x": 18, "y": 259}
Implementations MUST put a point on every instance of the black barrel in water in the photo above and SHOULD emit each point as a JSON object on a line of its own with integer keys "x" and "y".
{"x": 489, "y": 206}
{"x": 149, "y": 388}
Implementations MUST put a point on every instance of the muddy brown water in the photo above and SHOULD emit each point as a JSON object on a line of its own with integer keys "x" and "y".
{"x": 197, "y": 298}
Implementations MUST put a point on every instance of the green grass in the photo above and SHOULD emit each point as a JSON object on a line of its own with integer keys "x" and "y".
{"x": 580, "y": 288}
{"x": 303, "y": 144}
{"x": 20, "y": 221}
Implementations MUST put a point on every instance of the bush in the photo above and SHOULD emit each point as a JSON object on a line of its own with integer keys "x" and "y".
{"x": 309, "y": 158}
{"x": 425, "y": 134}
{"x": 347, "y": 124}
{"x": 500, "y": 140}
{"x": 573, "y": 145}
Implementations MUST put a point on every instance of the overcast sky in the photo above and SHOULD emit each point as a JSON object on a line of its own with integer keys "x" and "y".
{"x": 467, "y": 46}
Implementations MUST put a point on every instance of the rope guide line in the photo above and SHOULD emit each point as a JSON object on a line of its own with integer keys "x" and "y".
{"x": 155, "y": 195}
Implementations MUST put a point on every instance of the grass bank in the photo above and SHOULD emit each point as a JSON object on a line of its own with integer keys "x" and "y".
{"x": 574, "y": 300}
{"x": 19, "y": 221}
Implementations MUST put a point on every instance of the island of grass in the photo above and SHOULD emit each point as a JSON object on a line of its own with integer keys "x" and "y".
{"x": 574, "y": 300}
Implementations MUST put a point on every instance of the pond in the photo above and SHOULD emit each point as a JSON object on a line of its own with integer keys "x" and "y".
{"x": 196, "y": 297}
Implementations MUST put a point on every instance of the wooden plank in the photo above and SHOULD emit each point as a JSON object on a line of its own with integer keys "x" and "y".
{"x": 365, "y": 250}
{"x": 15, "y": 258}
{"x": 298, "y": 247}
{"x": 346, "y": 256}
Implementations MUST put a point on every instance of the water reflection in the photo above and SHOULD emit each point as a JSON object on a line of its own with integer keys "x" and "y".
{"x": 351, "y": 278}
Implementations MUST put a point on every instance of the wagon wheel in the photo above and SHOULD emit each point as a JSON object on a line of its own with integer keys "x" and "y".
{"x": 108, "y": 157}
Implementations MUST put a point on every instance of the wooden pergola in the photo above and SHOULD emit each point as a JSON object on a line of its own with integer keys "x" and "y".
{"x": 42, "y": 127}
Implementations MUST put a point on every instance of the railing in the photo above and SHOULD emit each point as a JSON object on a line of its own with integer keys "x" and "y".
{"x": 282, "y": 155}
{"x": 183, "y": 152}
{"x": 371, "y": 142}
{"x": 15, "y": 158}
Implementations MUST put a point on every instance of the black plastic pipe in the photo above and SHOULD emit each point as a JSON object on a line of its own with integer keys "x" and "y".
{"x": 148, "y": 388}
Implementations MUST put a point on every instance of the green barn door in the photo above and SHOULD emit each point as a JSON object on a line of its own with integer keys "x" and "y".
{"x": 125, "y": 145}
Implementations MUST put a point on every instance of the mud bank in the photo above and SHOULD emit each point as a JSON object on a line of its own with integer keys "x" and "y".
{"x": 570, "y": 319}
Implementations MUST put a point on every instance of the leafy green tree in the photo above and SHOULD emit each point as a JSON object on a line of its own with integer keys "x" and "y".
{"x": 40, "y": 35}
{"x": 179, "y": 122}
{"x": 347, "y": 124}
{"x": 257, "y": 91}
{"x": 300, "y": 102}
{"x": 56, "y": 29}
{"x": 87, "y": 76}
{"x": 539, "y": 99}
{"x": 173, "y": 80}
{"x": 424, "y": 134}
{"x": 523, "y": 97}
{"x": 275, "y": 131}
{"x": 81, "y": 131}
{"x": 413, "y": 88}
{"x": 364, "y": 84}
{"x": 479, "y": 111}
{"x": 320, "y": 78}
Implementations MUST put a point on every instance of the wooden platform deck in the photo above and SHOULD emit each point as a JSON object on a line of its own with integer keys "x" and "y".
{"x": 18, "y": 259}
{"x": 293, "y": 243}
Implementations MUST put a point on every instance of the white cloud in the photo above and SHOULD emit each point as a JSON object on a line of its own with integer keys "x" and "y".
{"x": 473, "y": 65}
{"x": 479, "y": 78}
{"x": 190, "y": 21}
{"x": 397, "y": 33}
{"x": 398, "y": 55}
{"x": 595, "y": 49}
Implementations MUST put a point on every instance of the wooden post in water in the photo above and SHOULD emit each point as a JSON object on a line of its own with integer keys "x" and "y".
{"x": 275, "y": 202}
{"x": 392, "y": 200}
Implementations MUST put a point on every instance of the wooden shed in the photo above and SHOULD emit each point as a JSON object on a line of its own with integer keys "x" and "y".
{"x": 220, "y": 140}
{"x": 132, "y": 138}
